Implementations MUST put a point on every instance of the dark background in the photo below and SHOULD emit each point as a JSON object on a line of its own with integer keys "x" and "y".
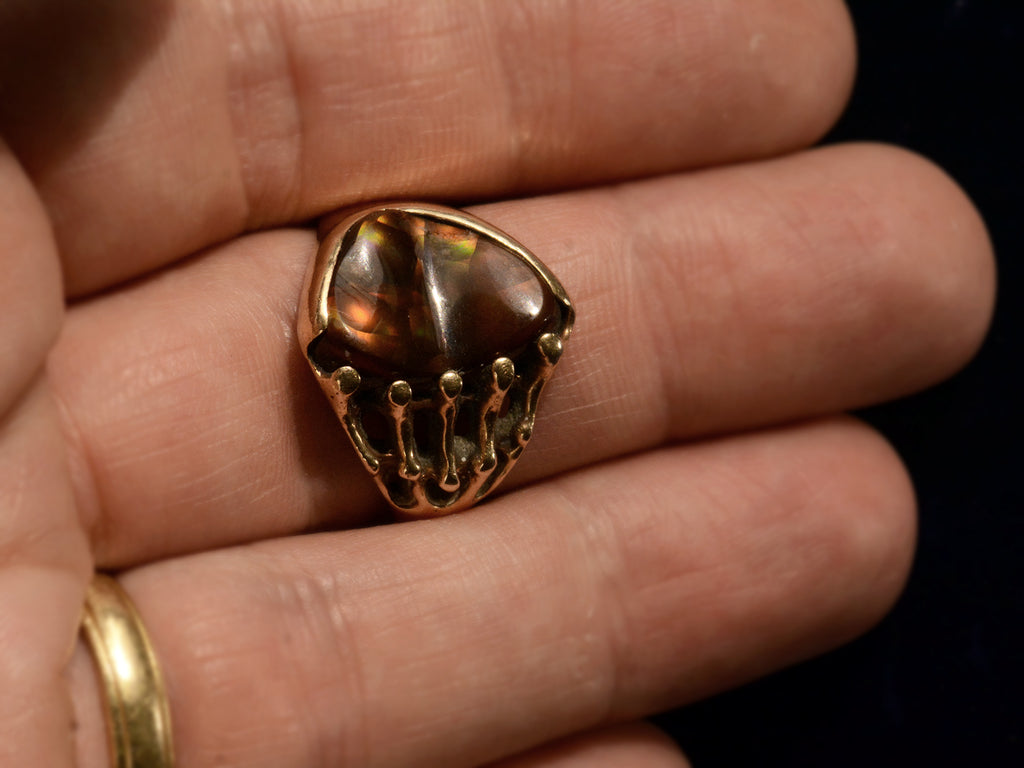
{"x": 941, "y": 681}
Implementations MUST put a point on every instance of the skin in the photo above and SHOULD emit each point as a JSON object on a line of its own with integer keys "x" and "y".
{"x": 693, "y": 512}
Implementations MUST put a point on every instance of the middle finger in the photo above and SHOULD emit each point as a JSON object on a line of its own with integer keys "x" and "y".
{"x": 706, "y": 303}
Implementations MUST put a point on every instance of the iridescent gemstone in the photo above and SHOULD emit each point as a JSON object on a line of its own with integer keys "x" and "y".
{"x": 411, "y": 295}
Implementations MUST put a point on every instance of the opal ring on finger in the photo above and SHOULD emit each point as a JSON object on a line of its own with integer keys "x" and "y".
{"x": 432, "y": 334}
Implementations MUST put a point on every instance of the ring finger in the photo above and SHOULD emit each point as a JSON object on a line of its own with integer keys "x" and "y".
{"x": 591, "y": 599}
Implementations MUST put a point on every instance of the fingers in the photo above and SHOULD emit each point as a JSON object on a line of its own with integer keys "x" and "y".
{"x": 44, "y": 566}
{"x": 229, "y": 116}
{"x": 31, "y": 303}
{"x": 635, "y": 745}
{"x": 44, "y": 558}
{"x": 591, "y": 599}
{"x": 705, "y": 304}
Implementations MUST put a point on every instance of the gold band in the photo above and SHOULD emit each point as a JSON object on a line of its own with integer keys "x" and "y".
{"x": 137, "y": 715}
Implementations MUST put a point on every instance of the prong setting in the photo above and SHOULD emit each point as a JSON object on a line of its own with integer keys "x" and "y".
{"x": 434, "y": 443}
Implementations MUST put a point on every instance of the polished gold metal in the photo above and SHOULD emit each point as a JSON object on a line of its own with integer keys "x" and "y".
{"x": 137, "y": 713}
{"x": 444, "y": 441}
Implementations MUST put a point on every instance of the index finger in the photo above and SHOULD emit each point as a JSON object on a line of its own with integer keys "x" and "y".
{"x": 235, "y": 116}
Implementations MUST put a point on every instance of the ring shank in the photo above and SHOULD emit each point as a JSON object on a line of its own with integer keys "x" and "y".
{"x": 138, "y": 715}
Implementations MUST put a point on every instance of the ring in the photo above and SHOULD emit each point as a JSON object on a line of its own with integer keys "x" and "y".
{"x": 432, "y": 334}
{"x": 137, "y": 713}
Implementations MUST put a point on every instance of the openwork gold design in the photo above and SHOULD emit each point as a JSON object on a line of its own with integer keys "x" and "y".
{"x": 432, "y": 334}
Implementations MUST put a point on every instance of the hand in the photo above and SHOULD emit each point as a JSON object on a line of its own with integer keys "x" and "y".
{"x": 692, "y": 512}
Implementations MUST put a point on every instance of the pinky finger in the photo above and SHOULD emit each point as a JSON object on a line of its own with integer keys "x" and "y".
{"x": 637, "y": 745}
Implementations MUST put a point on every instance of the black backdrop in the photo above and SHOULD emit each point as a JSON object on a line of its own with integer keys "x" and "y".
{"x": 941, "y": 681}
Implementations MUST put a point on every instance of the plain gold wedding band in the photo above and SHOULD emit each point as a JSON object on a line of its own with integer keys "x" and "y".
{"x": 137, "y": 712}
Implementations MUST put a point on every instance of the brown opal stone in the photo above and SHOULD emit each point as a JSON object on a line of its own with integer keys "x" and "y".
{"x": 413, "y": 296}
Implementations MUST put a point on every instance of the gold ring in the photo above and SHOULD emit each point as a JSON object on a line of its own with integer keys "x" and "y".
{"x": 432, "y": 334}
{"x": 137, "y": 713}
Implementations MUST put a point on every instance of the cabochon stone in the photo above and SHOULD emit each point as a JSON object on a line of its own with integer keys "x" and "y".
{"x": 415, "y": 296}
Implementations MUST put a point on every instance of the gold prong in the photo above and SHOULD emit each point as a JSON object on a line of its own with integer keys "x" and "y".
{"x": 550, "y": 346}
{"x": 502, "y": 375}
{"x": 346, "y": 381}
{"x": 450, "y": 387}
{"x": 489, "y": 470}
{"x": 399, "y": 395}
